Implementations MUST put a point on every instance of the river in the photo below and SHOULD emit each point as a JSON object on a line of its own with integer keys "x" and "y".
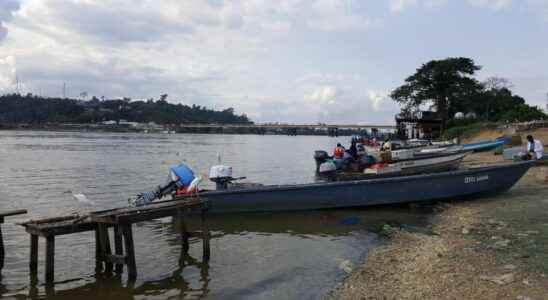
{"x": 255, "y": 256}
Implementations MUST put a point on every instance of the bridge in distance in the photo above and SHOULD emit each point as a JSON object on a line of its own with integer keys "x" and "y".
{"x": 308, "y": 126}
{"x": 289, "y": 129}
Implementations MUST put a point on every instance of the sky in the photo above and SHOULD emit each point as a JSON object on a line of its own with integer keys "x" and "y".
{"x": 292, "y": 61}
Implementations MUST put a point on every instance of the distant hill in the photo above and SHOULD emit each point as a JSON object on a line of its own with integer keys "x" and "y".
{"x": 17, "y": 109}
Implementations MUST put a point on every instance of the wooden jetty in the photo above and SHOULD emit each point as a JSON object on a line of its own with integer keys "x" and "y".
{"x": 121, "y": 221}
{"x": 2, "y": 216}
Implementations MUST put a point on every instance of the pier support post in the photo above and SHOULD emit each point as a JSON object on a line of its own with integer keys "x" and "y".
{"x": 130, "y": 251}
{"x": 33, "y": 264}
{"x": 205, "y": 236}
{"x": 50, "y": 258}
{"x": 98, "y": 260}
{"x": 1, "y": 247}
{"x": 104, "y": 242}
{"x": 118, "y": 247}
{"x": 184, "y": 232}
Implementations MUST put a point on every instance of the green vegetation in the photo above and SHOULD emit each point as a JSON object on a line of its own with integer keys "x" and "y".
{"x": 466, "y": 129}
{"x": 17, "y": 109}
{"x": 448, "y": 87}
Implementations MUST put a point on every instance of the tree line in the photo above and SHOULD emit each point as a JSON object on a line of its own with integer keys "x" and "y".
{"x": 32, "y": 109}
{"x": 448, "y": 87}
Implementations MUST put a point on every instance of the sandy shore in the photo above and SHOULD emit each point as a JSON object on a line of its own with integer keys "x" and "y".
{"x": 494, "y": 248}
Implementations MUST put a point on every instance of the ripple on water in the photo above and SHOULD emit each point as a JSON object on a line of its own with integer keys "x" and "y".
{"x": 269, "y": 256}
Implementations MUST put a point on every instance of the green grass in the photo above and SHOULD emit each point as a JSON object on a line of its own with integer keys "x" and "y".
{"x": 463, "y": 131}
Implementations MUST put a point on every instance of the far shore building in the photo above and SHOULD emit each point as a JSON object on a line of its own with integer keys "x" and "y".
{"x": 423, "y": 125}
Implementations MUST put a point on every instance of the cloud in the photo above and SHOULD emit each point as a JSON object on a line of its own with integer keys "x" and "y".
{"x": 325, "y": 95}
{"x": 376, "y": 99}
{"x": 8, "y": 73}
{"x": 7, "y": 7}
{"x": 397, "y": 6}
{"x": 493, "y": 4}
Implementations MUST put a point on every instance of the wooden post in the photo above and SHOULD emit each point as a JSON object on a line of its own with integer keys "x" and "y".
{"x": 1, "y": 245}
{"x": 184, "y": 232}
{"x": 118, "y": 247}
{"x": 104, "y": 242}
{"x": 33, "y": 265}
{"x": 205, "y": 236}
{"x": 98, "y": 259}
{"x": 50, "y": 258}
{"x": 130, "y": 251}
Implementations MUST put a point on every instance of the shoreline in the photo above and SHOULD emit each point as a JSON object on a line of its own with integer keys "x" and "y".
{"x": 476, "y": 252}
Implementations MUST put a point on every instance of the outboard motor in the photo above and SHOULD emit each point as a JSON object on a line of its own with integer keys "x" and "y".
{"x": 221, "y": 175}
{"x": 320, "y": 157}
{"x": 180, "y": 176}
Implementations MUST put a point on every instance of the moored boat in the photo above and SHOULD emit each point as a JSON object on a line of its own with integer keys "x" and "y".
{"x": 485, "y": 145}
{"x": 360, "y": 193}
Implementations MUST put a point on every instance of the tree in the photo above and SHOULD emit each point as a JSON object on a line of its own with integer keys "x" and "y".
{"x": 440, "y": 83}
{"x": 497, "y": 83}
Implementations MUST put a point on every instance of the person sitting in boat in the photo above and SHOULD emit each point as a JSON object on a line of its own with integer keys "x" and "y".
{"x": 535, "y": 150}
{"x": 387, "y": 145}
{"x": 339, "y": 151}
{"x": 353, "y": 151}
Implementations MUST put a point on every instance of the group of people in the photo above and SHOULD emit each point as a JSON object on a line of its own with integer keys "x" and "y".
{"x": 352, "y": 152}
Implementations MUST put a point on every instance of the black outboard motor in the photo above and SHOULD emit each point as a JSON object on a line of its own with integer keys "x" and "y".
{"x": 320, "y": 157}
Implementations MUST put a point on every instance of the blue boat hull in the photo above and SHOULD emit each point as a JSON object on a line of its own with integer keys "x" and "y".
{"x": 427, "y": 187}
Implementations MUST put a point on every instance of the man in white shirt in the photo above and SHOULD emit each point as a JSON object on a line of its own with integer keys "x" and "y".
{"x": 534, "y": 148}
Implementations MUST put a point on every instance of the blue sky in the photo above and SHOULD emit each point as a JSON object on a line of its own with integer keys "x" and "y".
{"x": 277, "y": 61}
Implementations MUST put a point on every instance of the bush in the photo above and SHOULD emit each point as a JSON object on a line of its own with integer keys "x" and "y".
{"x": 467, "y": 130}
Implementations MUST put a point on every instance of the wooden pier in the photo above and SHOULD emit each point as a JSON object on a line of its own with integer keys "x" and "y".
{"x": 121, "y": 221}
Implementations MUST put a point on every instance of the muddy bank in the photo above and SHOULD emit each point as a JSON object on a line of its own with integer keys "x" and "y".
{"x": 490, "y": 248}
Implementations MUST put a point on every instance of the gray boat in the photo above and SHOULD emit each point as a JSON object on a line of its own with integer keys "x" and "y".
{"x": 360, "y": 193}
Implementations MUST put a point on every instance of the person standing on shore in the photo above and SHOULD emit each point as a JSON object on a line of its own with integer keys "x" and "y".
{"x": 535, "y": 150}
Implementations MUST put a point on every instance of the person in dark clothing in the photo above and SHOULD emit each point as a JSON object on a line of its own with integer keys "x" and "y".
{"x": 353, "y": 149}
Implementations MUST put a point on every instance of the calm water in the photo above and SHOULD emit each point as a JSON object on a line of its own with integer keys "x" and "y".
{"x": 256, "y": 256}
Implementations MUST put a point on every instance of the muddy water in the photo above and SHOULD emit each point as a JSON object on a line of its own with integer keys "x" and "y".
{"x": 255, "y": 256}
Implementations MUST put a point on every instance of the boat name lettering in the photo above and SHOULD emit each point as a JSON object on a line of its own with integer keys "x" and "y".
{"x": 474, "y": 179}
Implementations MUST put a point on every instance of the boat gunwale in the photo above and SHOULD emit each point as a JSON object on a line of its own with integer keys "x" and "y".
{"x": 287, "y": 187}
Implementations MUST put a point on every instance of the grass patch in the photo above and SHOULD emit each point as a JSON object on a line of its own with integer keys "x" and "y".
{"x": 464, "y": 130}
{"x": 521, "y": 222}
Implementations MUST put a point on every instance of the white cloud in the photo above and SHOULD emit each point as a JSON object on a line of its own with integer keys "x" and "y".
{"x": 8, "y": 73}
{"x": 397, "y": 6}
{"x": 7, "y": 7}
{"x": 324, "y": 95}
{"x": 493, "y": 4}
{"x": 376, "y": 99}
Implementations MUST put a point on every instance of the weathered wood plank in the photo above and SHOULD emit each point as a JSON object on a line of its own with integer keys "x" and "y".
{"x": 1, "y": 250}
{"x": 50, "y": 259}
{"x": 104, "y": 242}
{"x": 130, "y": 251}
{"x": 33, "y": 263}
{"x": 118, "y": 248}
{"x": 60, "y": 228}
{"x": 13, "y": 212}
